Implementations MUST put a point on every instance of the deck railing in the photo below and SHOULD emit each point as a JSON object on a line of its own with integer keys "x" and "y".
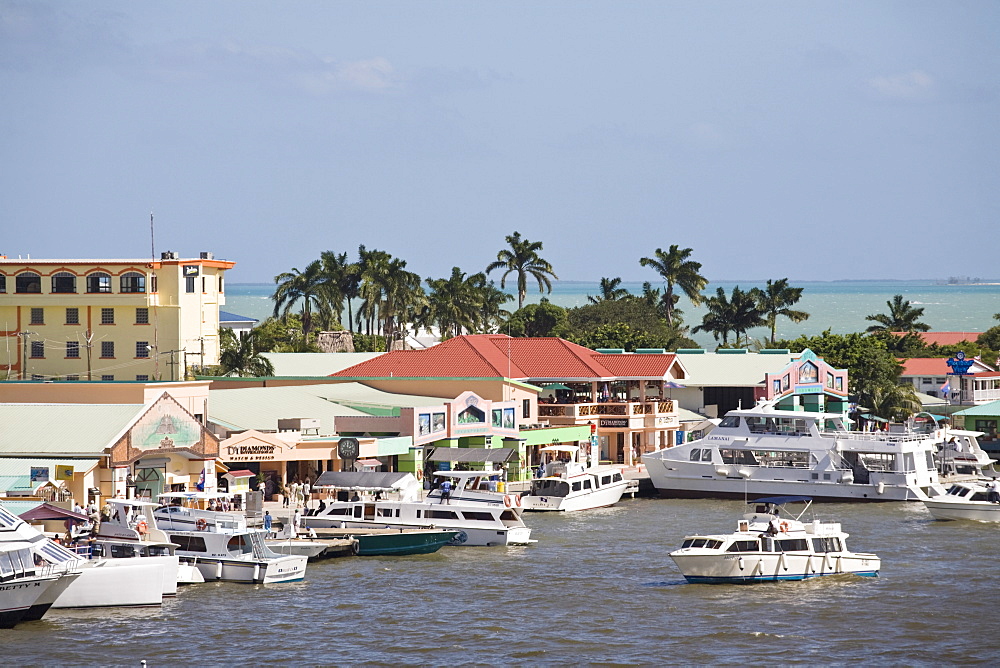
{"x": 657, "y": 407}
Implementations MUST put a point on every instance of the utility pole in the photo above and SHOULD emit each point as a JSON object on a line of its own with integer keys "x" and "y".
{"x": 90, "y": 345}
{"x": 24, "y": 353}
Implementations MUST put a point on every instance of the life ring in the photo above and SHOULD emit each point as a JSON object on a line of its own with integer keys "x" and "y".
{"x": 142, "y": 528}
{"x": 784, "y": 527}
{"x": 201, "y": 524}
{"x": 517, "y": 500}
{"x": 506, "y": 500}
{"x": 420, "y": 474}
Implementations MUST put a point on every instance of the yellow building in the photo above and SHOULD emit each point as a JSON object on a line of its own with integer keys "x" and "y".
{"x": 109, "y": 319}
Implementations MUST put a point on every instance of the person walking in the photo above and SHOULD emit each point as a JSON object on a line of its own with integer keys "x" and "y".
{"x": 267, "y": 521}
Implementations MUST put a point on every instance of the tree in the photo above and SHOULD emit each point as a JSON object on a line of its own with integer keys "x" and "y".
{"x": 339, "y": 276}
{"x": 736, "y": 313}
{"x": 610, "y": 291}
{"x": 522, "y": 260}
{"x": 616, "y": 335}
{"x": 305, "y": 288}
{"x": 542, "y": 319}
{"x": 902, "y": 317}
{"x": 453, "y": 304}
{"x": 776, "y": 299}
{"x": 676, "y": 269}
{"x": 241, "y": 356}
{"x": 594, "y": 325}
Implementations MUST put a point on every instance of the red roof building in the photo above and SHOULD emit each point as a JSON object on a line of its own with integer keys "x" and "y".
{"x": 944, "y": 338}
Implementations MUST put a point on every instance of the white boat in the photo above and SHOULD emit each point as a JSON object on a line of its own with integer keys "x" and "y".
{"x": 570, "y": 485}
{"x": 130, "y": 530}
{"x": 769, "y": 546}
{"x": 767, "y": 451}
{"x": 221, "y": 544}
{"x": 101, "y": 582}
{"x": 487, "y": 520}
{"x": 967, "y": 500}
{"x": 22, "y": 584}
{"x": 960, "y": 457}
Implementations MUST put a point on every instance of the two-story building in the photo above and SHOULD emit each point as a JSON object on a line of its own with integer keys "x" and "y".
{"x": 131, "y": 319}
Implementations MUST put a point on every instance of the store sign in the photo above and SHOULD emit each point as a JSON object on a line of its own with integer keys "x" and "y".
{"x": 614, "y": 423}
{"x": 251, "y": 452}
{"x": 959, "y": 365}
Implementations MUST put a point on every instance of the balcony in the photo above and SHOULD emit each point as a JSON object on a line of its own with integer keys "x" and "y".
{"x": 584, "y": 411}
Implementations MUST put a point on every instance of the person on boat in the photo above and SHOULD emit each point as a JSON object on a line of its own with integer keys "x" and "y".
{"x": 446, "y": 491}
{"x": 355, "y": 497}
{"x": 992, "y": 495}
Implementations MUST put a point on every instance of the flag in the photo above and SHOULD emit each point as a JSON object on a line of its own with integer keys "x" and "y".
{"x": 201, "y": 481}
{"x": 946, "y": 388}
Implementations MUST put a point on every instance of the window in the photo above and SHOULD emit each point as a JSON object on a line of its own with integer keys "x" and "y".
{"x": 730, "y": 421}
{"x": 203, "y": 279}
{"x": 577, "y": 486}
{"x": 3, "y": 283}
{"x": 72, "y": 316}
{"x": 478, "y": 516}
{"x": 72, "y": 349}
{"x": 37, "y": 316}
{"x": 73, "y": 376}
{"x": 706, "y": 455}
{"x": 189, "y": 284}
{"x": 107, "y": 348}
{"x": 107, "y": 316}
{"x": 28, "y": 282}
{"x": 221, "y": 285}
{"x": 793, "y": 545}
{"x": 108, "y": 377}
{"x": 37, "y": 349}
{"x": 441, "y": 514}
{"x": 526, "y": 408}
{"x": 132, "y": 282}
{"x": 142, "y": 377}
{"x": 142, "y": 316}
{"x": 695, "y": 455}
{"x": 63, "y": 282}
{"x": 98, "y": 283}
{"x": 152, "y": 283}
{"x": 744, "y": 546}
{"x": 142, "y": 348}
{"x": 36, "y": 376}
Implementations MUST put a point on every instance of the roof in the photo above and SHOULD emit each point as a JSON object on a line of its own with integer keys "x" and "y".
{"x": 364, "y": 480}
{"x": 260, "y": 408}
{"x": 933, "y": 366}
{"x": 314, "y": 364}
{"x": 928, "y": 400}
{"x": 64, "y": 429}
{"x": 684, "y": 415}
{"x": 991, "y": 409}
{"x": 226, "y": 316}
{"x": 726, "y": 370}
{"x": 361, "y": 396}
{"x": 499, "y": 455}
{"x": 242, "y": 473}
{"x": 501, "y": 356}
{"x": 945, "y": 338}
{"x": 20, "y": 467}
{"x": 46, "y": 511}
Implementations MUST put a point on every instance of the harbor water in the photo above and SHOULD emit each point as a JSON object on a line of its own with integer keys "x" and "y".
{"x": 597, "y": 587}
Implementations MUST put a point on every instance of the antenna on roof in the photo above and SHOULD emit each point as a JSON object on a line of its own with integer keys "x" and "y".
{"x": 152, "y": 242}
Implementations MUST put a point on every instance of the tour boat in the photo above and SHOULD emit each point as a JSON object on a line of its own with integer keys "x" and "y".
{"x": 767, "y": 451}
{"x": 966, "y": 501}
{"x": 22, "y": 583}
{"x": 482, "y": 522}
{"x": 770, "y": 544}
{"x": 221, "y": 544}
{"x": 570, "y": 485}
{"x": 101, "y": 582}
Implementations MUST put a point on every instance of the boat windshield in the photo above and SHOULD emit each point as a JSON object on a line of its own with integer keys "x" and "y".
{"x": 549, "y": 487}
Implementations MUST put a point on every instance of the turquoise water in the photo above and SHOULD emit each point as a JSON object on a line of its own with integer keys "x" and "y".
{"x": 840, "y": 306}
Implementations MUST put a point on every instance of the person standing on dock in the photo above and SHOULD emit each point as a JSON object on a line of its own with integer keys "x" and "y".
{"x": 267, "y": 521}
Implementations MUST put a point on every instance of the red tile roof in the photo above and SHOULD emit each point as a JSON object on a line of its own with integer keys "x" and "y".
{"x": 501, "y": 356}
{"x": 945, "y": 338}
{"x": 935, "y": 366}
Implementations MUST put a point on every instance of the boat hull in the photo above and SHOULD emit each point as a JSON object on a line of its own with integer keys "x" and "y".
{"x": 45, "y": 601}
{"x": 18, "y": 596}
{"x": 980, "y": 511}
{"x": 115, "y": 583}
{"x": 465, "y": 536}
{"x": 288, "y": 568}
{"x": 402, "y": 542}
{"x": 601, "y": 498}
{"x": 751, "y": 567}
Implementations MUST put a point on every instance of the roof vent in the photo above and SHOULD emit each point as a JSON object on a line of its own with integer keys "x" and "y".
{"x": 690, "y": 351}
{"x": 611, "y": 351}
{"x": 206, "y": 255}
{"x": 730, "y": 351}
{"x": 650, "y": 351}
{"x": 775, "y": 351}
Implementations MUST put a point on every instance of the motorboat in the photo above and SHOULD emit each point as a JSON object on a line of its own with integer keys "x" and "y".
{"x": 960, "y": 457}
{"x": 22, "y": 583}
{"x": 969, "y": 500}
{"x": 771, "y": 543}
{"x": 221, "y": 544}
{"x": 286, "y": 540}
{"x": 768, "y": 451}
{"x": 129, "y": 530}
{"x": 101, "y": 582}
{"x": 394, "y": 500}
{"x": 568, "y": 484}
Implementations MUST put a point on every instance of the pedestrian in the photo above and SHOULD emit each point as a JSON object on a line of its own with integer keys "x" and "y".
{"x": 305, "y": 493}
{"x": 446, "y": 491}
{"x": 296, "y": 520}
{"x": 285, "y": 493}
{"x": 267, "y": 521}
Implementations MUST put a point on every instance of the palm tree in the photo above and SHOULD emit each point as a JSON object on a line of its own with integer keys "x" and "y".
{"x": 676, "y": 269}
{"x": 305, "y": 288}
{"x": 736, "y": 313}
{"x": 453, "y": 303}
{"x": 338, "y": 276}
{"x": 523, "y": 260}
{"x": 902, "y": 317}
{"x": 492, "y": 300}
{"x": 241, "y": 356}
{"x": 775, "y": 300}
{"x": 610, "y": 291}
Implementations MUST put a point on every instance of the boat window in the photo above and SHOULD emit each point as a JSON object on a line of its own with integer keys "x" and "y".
{"x": 617, "y": 477}
{"x": 731, "y": 456}
{"x": 441, "y": 514}
{"x": 878, "y": 461}
{"x": 980, "y": 496}
{"x": 706, "y": 455}
{"x": 157, "y": 551}
{"x": 786, "y": 458}
{"x": 239, "y": 544}
{"x": 341, "y": 510}
{"x": 384, "y": 512}
{"x": 577, "y": 486}
{"x": 508, "y": 516}
{"x": 122, "y": 551}
{"x": 189, "y": 543}
{"x": 908, "y": 463}
{"x": 587, "y": 485}
{"x": 695, "y": 455}
{"x": 793, "y": 545}
{"x": 930, "y": 460}
{"x": 478, "y": 516}
{"x": 827, "y": 544}
{"x": 744, "y": 546}
{"x": 605, "y": 480}
{"x": 730, "y": 421}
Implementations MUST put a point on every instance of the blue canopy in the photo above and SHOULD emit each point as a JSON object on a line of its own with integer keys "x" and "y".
{"x": 781, "y": 500}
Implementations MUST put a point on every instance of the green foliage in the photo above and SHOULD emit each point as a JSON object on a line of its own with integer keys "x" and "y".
{"x": 369, "y": 343}
{"x": 630, "y": 322}
{"x": 736, "y": 313}
{"x": 522, "y": 260}
{"x": 240, "y": 355}
{"x": 542, "y": 319}
{"x": 776, "y": 299}
{"x": 617, "y": 335}
{"x": 990, "y": 339}
{"x": 610, "y": 290}
{"x": 902, "y": 317}
{"x": 675, "y": 268}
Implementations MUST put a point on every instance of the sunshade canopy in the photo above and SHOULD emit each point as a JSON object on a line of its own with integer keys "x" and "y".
{"x": 475, "y": 455}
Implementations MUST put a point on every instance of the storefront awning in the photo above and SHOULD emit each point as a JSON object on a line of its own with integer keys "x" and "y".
{"x": 364, "y": 480}
{"x": 475, "y": 455}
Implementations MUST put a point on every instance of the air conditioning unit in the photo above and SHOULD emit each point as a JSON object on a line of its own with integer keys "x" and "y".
{"x": 207, "y": 255}
{"x": 168, "y": 255}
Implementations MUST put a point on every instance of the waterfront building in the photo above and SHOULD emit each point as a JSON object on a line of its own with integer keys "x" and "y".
{"x": 932, "y": 376}
{"x": 983, "y": 418}
{"x": 110, "y": 319}
{"x": 237, "y": 323}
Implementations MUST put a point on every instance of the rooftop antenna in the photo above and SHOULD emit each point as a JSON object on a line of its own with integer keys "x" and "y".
{"x": 152, "y": 241}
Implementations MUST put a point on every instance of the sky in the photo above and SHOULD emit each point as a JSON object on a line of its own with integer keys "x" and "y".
{"x": 810, "y": 140}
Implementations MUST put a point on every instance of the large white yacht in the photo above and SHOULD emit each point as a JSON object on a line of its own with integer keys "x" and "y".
{"x": 767, "y": 451}
{"x": 221, "y": 544}
{"x": 393, "y": 500}
{"x": 568, "y": 484}
{"x": 769, "y": 546}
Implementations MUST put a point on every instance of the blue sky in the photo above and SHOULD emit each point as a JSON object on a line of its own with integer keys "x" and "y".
{"x": 803, "y": 139}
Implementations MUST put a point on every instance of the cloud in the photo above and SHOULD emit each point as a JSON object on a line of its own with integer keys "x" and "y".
{"x": 911, "y": 86}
